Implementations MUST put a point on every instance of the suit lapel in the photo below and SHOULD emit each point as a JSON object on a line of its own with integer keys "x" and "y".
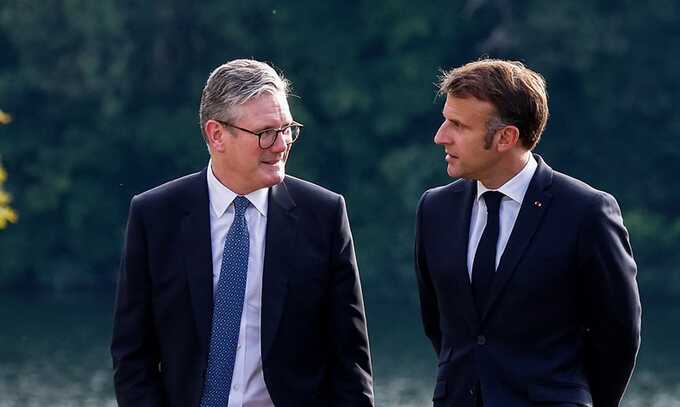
{"x": 460, "y": 228}
{"x": 278, "y": 259}
{"x": 196, "y": 240}
{"x": 534, "y": 206}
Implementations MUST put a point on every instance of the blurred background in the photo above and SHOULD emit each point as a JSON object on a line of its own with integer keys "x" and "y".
{"x": 99, "y": 102}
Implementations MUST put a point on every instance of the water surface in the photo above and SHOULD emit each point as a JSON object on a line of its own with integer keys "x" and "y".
{"x": 54, "y": 352}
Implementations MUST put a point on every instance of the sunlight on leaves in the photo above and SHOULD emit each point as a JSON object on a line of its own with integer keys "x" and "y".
{"x": 7, "y": 214}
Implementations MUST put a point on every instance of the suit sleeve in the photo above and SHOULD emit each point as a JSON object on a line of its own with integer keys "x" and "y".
{"x": 134, "y": 347}
{"x": 351, "y": 375}
{"x": 612, "y": 302}
{"x": 428, "y": 298}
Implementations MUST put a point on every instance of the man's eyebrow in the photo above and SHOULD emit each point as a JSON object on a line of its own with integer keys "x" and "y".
{"x": 457, "y": 121}
{"x": 274, "y": 127}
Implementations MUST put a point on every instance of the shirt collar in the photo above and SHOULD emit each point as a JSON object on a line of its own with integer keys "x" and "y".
{"x": 221, "y": 196}
{"x": 517, "y": 186}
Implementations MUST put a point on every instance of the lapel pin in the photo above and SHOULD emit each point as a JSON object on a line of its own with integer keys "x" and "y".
{"x": 537, "y": 204}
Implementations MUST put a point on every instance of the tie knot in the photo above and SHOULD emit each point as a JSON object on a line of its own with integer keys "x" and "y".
{"x": 240, "y": 205}
{"x": 493, "y": 200}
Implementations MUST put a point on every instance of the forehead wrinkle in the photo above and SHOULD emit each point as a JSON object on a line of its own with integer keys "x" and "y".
{"x": 269, "y": 111}
{"x": 468, "y": 110}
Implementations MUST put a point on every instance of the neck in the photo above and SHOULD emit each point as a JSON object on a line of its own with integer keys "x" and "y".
{"x": 232, "y": 183}
{"x": 505, "y": 170}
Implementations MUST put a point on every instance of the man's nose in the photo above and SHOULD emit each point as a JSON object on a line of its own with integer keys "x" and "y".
{"x": 279, "y": 143}
{"x": 439, "y": 137}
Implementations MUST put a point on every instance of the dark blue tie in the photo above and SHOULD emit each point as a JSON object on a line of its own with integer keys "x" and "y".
{"x": 226, "y": 320}
{"x": 484, "y": 265}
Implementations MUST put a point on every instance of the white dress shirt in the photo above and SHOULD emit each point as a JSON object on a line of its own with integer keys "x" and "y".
{"x": 513, "y": 191}
{"x": 248, "y": 388}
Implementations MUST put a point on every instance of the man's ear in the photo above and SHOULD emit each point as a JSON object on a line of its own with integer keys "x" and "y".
{"x": 215, "y": 134}
{"x": 508, "y": 138}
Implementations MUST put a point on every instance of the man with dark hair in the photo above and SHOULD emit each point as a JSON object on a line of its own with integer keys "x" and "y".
{"x": 239, "y": 284}
{"x": 526, "y": 276}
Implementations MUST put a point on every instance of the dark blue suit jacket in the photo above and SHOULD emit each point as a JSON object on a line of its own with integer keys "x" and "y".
{"x": 314, "y": 341}
{"x": 562, "y": 323}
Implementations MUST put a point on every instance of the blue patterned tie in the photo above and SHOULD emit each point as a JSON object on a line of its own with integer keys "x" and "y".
{"x": 227, "y": 310}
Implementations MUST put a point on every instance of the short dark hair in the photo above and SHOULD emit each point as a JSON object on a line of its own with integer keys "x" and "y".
{"x": 518, "y": 93}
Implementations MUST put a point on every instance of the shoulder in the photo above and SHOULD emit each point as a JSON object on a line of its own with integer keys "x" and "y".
{"x": 579, "y": 192}
{"x": 445, "y": 192}
{"x": 306, "y": 193}
{"x": 455, "y": 186}
{"x": 175, "y": 193}
{"x": 312, "y": 202}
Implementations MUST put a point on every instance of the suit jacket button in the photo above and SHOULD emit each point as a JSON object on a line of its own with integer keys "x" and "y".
{"x": 472, "y": 391}
{"x": 481, "y": 340}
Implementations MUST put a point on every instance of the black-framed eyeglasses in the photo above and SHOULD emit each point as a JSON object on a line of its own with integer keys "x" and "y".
{"x": 267, "y": 137}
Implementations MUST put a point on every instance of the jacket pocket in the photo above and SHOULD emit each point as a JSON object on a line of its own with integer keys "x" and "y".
{"x": 560, "y": 393}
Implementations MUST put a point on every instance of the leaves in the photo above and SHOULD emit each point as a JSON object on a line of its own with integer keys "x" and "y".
{"x": 7, "y": 214}
{"x": 104, "y": 98}
{"x": 5, "y": 118}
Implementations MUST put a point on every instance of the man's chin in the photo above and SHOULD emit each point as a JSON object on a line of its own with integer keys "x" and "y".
{"x": 452, "y": 172}
{"x": 275, "y": 178}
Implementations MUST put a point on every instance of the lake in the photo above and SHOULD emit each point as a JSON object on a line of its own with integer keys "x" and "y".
{"x": 54, "y": 352}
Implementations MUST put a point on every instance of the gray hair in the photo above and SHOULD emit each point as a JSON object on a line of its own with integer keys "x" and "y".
{"x": 493, "y": 124}
{"x": 235, "y": 83}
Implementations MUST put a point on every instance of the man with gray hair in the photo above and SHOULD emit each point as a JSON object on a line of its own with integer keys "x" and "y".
{"x": 238, "y": 284}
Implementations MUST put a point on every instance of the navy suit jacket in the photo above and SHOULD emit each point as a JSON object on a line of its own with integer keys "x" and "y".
{"x": 313, "y": 330}
{"x": 562, "y": 323}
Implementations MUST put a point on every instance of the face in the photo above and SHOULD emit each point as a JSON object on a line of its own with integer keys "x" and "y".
{"x": 463, "y": 136}
{"x": 238, "y": 160}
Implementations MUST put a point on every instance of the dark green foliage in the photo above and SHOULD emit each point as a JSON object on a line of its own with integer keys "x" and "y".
{"x": 104, "y": 97}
